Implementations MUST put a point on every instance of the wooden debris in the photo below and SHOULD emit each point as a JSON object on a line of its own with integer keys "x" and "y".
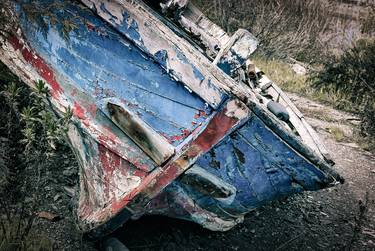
{"x": 49, "y": 216}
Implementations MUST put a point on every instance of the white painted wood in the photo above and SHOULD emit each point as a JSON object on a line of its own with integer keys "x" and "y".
{"x": 243, "y": 43}
{"x": 307, "y": 134}
{"x": 174, "y": 4}
{"x": 210, "y": 34}
{"x": 155, "y": 36}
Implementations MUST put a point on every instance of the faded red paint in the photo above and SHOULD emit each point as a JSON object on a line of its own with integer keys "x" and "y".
{"x": 74, "y": 92}
{"x": 108, "y": 132}
{"x": 173, "y": 138}
{"x": 86, "y": 113}
{"x": 141, "y": 167}
{"x": 200, "y": 114}
{"x": 215, "y": 130}
{"x": 185, "y": 132}
{"x": 39, "y": 65}
{"x": 92, "y": 109}
{"x": 79, "y": 112}
{"x": 85, "y": 208}
{"x": 157, "y": 179}
{"x": 139, "y": 173}
{"x": 109, "y": 162}
{"x": 108, "y": 139}
{"x": 166, "y": 137}
{"x": 90, "y": 26}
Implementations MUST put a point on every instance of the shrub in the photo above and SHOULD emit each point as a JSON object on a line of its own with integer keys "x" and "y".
{"x": 29, "y": 135}
{"x": 353, "y": 74}
{"x": 368, "y": 22}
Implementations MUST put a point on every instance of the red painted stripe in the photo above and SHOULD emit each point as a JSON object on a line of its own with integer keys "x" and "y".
{"x": 39, "y": 65}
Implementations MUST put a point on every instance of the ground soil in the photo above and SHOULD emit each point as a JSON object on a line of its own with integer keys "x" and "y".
{"x": 339, "y": 218}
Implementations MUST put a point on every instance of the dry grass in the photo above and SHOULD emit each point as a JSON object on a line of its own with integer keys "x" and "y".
{"x": 288, "y": 28}
{"x": 282, "y": 74}
{"x": 337, "y": 133}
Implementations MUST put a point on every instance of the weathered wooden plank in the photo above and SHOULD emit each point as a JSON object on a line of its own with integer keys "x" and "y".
{"x": 105, "y": 177}
{"x": 233, "y": 114}
{"x": 210, "y": 34}
{"x": 236, "y": 52}
{"x": 318, "y": 141}
{"x": 183, "y": 61}
{"x": 278, "y": 127}
{"x": 294, "y": 113}
{"x": 261, "y": 166}
{"x": 307, "y": 127}
{"x": 142, "y": 134}
{"x": 111, "y": 67}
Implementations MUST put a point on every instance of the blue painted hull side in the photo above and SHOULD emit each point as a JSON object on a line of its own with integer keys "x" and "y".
{"x": 260, "y": 165}
{"x": 105, "y": 65}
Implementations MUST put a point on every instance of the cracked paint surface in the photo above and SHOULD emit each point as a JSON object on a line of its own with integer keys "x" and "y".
{"x": 110, "y": 67}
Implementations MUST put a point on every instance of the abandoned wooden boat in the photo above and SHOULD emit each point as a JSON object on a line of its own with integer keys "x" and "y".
{"x": 170, "y": 115}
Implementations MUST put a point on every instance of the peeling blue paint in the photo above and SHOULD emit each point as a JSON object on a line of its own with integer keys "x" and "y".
{"x": 231, "y": 62}
{"x": 260, "y": 165}
{"x": 113, "y": 67}
{"x": 130, "y": 28}
{"x": 198, "y": 74}
{"x": 225, "y": 66}
{"x": 162, "y": 57}
{"x": 183, "y": 59}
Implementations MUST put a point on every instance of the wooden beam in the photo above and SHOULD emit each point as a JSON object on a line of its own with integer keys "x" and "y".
{"x": 152, "y": 143}
{"x": 210, "y": 34}
{"x": 236, "y": 52}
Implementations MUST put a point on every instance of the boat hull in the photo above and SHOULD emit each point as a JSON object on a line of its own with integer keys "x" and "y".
{"x": 170, "y": 148}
